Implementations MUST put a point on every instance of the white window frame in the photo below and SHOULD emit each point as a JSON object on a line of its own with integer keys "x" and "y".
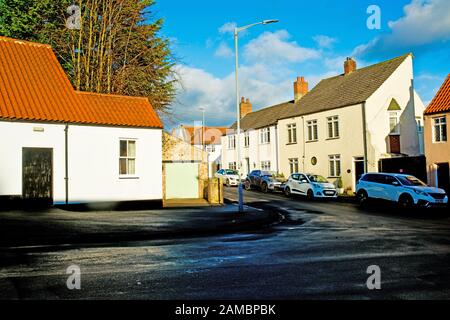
{"x": 394, "y": 129}
{"x": 264, "y": 135}
{"x": 246, "y": 139}
{"x": 312, "y": 131}
{"x": 231, "y": 142}
{"x": 334, "y": 166}
{"x": 440, "y": 126}
{"x": 292, "y": 133}
{"x": 293, "y": 165}
{"x": 232, "y": 165}
{"x": 128, "y": 158}
{"x": 335, "y": 130}
{"x": 265, "y": 165}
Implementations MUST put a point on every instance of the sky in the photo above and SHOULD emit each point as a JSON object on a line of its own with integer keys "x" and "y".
{"x": 312, "y": 39}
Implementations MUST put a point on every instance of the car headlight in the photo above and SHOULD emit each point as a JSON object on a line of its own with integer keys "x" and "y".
{"x": 421, "y": 193}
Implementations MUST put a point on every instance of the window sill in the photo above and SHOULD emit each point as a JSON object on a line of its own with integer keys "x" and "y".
{"x": 440, "y": 142}
{"x": 291, "y": 143}
{"x": 128, "y": 178}
{"x": 334, "y": 138}
{"x": 311, "y": 141}
{"x": 264, "y": 143}
{"x": 394, "y": 134}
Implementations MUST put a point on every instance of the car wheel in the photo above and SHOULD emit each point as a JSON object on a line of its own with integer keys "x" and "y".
{"x": 405, "y": 201}
{"x": 247, "y": 185}
{"x": 362, "y": 197}
{"x": 310, "y": 195}
{"x": 264, "y": 188}
{"x": 287, "y": 191}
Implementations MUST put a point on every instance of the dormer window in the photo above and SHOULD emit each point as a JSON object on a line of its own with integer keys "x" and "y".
{"x": 394, "y": 123}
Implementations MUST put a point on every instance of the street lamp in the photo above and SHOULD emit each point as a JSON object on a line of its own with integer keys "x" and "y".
{"x": 202, "y": 109}
{"x": 236, "y": 34}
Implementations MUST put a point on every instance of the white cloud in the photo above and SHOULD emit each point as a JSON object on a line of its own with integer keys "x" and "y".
{"x": 228, "y": 27}
{"x": 224, "y": 51}
{"x": 325, "y": 42}
{"x": 277, "y": 47}
{"x": 424, "y": 22}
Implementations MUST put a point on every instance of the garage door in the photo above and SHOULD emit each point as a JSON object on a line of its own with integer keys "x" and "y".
{"x": 181, "y": 180}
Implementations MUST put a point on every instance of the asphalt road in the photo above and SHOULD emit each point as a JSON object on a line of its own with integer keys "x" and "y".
{"x": 321, "y": 251}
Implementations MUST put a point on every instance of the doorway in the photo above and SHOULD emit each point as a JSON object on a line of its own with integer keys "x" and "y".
{"x": 37, "y": 175}
{"x": 358, "y": 169}
{"x": 443, "y": 176}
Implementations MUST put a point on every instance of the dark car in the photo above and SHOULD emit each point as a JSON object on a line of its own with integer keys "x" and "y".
{"x": 263, "y": 180}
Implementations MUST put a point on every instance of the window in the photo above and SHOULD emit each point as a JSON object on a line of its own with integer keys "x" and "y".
{"x": 246, "y": 139}
{"x": 335, "y": 165}
{"x": 419, "y": 125}
{"x": 127, "y": 159}
{"x": 265, "y": 135}
{"x": 312, "y": 130}
{"x": 333, "y": 127}
{"x": 232, "y": 142}
{"x": 265, "y": 165}
{"x": 232, "y": 166}
{"x": 440, "y": 129}
{"x": 394, "y": 126}
{"x": 292, "y": 133}
{"x": 210, "y": 148}
{"x": 293, "y": 165}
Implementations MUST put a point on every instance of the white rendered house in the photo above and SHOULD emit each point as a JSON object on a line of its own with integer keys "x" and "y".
{"x": 64, "y": 146}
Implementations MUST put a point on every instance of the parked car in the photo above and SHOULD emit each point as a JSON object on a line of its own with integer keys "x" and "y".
{"x": 230, "y": 177}
{"x": 310, "y": 185}
{"x": 406, "y": 190}
{"x": 263, "y": 180}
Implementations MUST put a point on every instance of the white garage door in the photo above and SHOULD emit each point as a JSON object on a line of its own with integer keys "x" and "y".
{"x": 182, "y": 180}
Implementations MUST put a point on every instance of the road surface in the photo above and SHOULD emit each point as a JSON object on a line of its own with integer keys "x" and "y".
{"x": 320, "y": 251}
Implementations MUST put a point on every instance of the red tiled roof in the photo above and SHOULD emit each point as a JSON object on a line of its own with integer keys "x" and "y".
{"x": 212, "y": 134}
{"x": 34, "y": 87}
{"x": 441, "y": 101}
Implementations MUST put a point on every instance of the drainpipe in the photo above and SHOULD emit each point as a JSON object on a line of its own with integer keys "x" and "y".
{"x": 276, "y": 149}
{"x": 303, "y": 143}
{"x": 364, "y": 136}
{"x": 66, "y": 151}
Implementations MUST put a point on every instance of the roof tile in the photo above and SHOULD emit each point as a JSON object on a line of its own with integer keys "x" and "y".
{"x": 441, "y": 102}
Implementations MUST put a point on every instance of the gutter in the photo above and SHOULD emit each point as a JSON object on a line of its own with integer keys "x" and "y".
{"x": 66, "y": 160}
{"x": 363, "y": 109}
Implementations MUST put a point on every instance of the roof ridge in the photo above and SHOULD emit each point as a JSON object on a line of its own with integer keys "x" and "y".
{"x": 110, "y": 95}
{"x": 35, "y": 44}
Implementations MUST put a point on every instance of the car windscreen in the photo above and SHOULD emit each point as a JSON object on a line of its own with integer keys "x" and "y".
{"x": 411, "y": 181}
{"x": 231, "y": 172}
{"x": 267, "y": 174}
{"x": 317, "y": 178}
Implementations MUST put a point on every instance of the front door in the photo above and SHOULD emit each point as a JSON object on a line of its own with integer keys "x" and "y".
{"x": 443, "y": 174}
{"x": 37, "y": 175}
{"x": 359, "y": 168}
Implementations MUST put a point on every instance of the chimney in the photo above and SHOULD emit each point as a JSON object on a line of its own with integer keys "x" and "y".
{"x": 349, "y": 66}
{"x": 245, "y": 107}
{"x": 300, "y": 88}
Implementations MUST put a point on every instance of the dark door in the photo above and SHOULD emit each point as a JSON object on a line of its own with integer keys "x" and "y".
{"x": 359, "y": 169}
{"x": 37, "y": 175}
{"x": 444, "y": 176}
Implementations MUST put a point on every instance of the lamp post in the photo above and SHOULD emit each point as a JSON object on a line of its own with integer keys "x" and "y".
{"x": 202, "y": 109}
{"x": 238, "y": 111}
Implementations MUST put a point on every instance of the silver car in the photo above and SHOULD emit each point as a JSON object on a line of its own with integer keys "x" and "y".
{"x": 229, "y": 177}
{"x": 310, "y": 185}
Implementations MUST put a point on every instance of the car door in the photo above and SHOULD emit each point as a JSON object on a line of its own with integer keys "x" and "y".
{"x": 390, "y": 188}
{"x": 303, "y": 184}
{"x": 376, "y": 186}
{"x": 294, "y": 183}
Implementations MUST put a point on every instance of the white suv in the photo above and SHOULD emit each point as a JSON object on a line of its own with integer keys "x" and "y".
{"x": 310, "y": 185}
{"x": 406, "y": 190}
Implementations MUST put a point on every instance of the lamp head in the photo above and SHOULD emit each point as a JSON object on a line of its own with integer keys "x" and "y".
{"x": 270, "y": 21}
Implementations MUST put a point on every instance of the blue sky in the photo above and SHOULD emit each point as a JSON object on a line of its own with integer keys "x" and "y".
{"x": 312, "y": 40}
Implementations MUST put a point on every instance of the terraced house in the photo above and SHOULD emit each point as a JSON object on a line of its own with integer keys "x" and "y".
{"x": 346, "y": 124}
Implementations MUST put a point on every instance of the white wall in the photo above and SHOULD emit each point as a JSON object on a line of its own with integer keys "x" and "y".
{"x": 401, "y": 87}
{"x": 256, "y": 152}
{"x": 93, "y": 161}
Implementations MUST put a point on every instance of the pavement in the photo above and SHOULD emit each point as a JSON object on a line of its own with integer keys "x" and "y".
{"x": 62, "y": 227}
{"x": 321, "y": 250}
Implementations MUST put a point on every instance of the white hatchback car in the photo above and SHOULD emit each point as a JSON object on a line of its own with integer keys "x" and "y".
{"x": 310, "y": 185}
{"x": 406, "y": 190}
{"x": 230, "y": 177}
